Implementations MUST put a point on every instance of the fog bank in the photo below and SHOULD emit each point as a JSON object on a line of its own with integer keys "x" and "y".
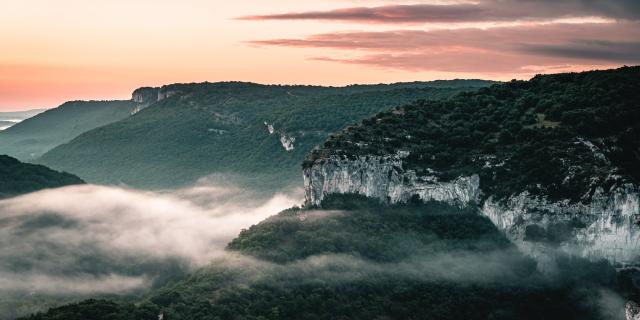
{"x": 86, "y": 239}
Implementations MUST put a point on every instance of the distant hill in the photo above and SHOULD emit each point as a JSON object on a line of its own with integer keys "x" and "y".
{"x": 20, "y": 115}
{"x": 32, "y": 137}
{"x": 18, "y": 178}
{"x": 8, "y": 119}
{"x": 256, "y": 134}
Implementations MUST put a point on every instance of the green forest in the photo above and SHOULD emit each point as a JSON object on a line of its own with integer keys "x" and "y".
{"x": 31, "y": 138}
{"x": 352, "y": 257}
{"x": 370, "y": 261}
{"x": 560, "y": 135}
{"x": 18, "y": 178}
{"x": 219, "y": 128}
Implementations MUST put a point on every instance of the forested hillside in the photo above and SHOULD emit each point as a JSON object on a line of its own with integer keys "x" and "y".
{"x": 560, "y": 136}
{"x": 254, "y": 134}
{"x": 18, "y": 178}
{"x": 33, "y": 137}
{"x": 350, "y": 257}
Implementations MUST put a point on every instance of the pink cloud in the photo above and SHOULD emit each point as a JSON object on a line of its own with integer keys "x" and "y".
{"x": 480, "y": 11}
{"x": 521, "y": 49}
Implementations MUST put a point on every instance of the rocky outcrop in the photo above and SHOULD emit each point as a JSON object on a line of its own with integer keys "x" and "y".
{"x": 383, "y": 178}
{"x": 632, "y": 311}
{"x": 603, "y": 226}
{"x": 149, "y": 95}
{"x": 606, "y": 226}
{"x": 145, "y": 95}
{"x": 270, "y": 128}
{"x": 164, "y": 93}
{"x": 287, "y": 142}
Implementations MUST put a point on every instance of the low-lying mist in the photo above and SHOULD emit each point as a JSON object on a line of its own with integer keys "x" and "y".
{"x": 97, "y": 239}
{"x": 83, "y": 241}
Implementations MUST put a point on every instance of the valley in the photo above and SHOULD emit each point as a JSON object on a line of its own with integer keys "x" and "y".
{"x": 410, "y": 200}
{"x": 31, "y": 138}
{"x": 253, "y": 135}
{"x": 320, "y": 160}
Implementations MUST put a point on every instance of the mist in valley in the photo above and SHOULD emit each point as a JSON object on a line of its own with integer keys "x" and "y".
{"x": 76, "y": 242}
{"x": 90, "y": 240}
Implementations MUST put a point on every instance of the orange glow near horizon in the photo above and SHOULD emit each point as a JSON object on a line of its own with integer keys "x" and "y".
{"x": 55, "y": 51}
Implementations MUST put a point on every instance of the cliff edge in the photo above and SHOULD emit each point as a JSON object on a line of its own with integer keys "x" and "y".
{"x": 553, "y": 161}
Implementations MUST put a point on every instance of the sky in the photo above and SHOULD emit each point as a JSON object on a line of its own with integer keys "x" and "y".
{"x": 55, "y": 51}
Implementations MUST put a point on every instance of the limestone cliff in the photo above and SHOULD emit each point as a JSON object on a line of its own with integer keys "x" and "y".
{"x": 149, "y": 95}
{"x": 606, "y": 226}
{"x": 145, "y": 95}
{"x": 384, "y": 178}
{"x": 632, "y": 311}
{"x": 552, "y": 161}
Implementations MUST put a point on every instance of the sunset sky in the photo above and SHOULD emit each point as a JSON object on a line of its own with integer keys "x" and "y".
{"x": 54, "y": 51}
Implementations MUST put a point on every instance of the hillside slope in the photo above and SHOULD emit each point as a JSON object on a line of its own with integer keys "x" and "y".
{"x": 254, "y": 134}
{"x": 18, "y": 178}
{"x": 553, "y": 162}
{"x": 355, "y": 259}
{"x": 524, "y": 158}
{"x": 33, "y": 137}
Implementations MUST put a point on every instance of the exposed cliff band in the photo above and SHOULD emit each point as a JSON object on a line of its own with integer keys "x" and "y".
{"x": 385, "y": 179}
{"x": 146, "y": 96}
{"x": 603, "y": 228}
{"x": 552, "y": 161}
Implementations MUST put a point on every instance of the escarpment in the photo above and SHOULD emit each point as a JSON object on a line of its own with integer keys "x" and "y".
{"x": 606, "y": 227}
{"x": 146, "y": 96}
{"x": 149, "y": 95}
{"x": 383, "y": 178}
{"x": 603, "y": 227}
{"x": 254, "y": 134}
{"x": 556, "y": 172}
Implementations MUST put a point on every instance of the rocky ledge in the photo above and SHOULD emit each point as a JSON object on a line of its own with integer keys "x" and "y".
{"x": 602, "y": 227}
{"x": 383, "y": 178}
{"x": 606, "y": 227}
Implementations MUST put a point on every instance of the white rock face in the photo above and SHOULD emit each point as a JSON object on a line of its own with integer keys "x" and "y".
{"x": 136, "y": 97}
{"x": 606, "y": 226}
{"x": 269, "y": 127}
{"x": 287, "y": 142}
{"x": 137, "y": 109}
{"x": 165, "y": 94}
{"x": 145, "y": 95}
{"x": 632, "y": 311}
{"x": 383, "y": 178}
